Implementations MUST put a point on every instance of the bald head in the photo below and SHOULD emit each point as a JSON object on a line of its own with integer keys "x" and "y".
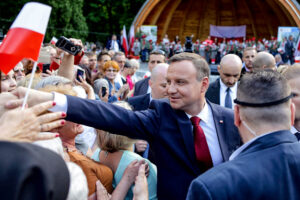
{"x": 158, "y": 82}
{"x": 230, "y": 69}
{"x": 264, "y": 60}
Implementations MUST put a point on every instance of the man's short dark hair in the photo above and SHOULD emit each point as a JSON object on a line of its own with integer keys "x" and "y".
{"x": 119, "y": 53}
{"x": 103, "y": 53}
{"x": 90, "y": 54}
{"x": 158, "y": 52}
{"x": 248, "y": 49}
{"x": 199, "y": 63}
{"x": 263, "y": 87}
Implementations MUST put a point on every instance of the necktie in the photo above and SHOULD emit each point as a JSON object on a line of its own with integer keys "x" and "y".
{"x": 200, "y": 144}
{"x": 298, "y": 135}
{"x": 228, "y": 101}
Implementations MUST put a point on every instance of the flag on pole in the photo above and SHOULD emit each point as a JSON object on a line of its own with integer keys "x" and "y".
{"x": 53, "y": 40}
{"x": 131, "y": 38}
{"x": 124, "y": 41}
{"x": 25, "y": 36}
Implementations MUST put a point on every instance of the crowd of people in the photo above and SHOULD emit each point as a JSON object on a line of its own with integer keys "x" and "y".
{"x": 214, "y": 49}
{"x": 92, "y": 130}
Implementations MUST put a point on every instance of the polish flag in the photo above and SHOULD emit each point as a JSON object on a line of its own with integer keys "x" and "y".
{"x": 25, "y": 36}
{"x": 131, "y": 38}
{"x": 124, "y": 41}
{"x": 53, "y": 40}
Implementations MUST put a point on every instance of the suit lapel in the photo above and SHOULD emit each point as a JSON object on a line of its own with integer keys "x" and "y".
{"x": 218, "y": 86}
{"x": 145, "y": 85}
{"x": 187, "y": 135}
{"x": 219, "y": 124}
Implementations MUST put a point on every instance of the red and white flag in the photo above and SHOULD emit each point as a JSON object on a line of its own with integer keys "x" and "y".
{"x": 53, "y": 40}
{"x": 124, "y": 41}
{"x": 25, "y": 36}
{"x": 131, "y": 37}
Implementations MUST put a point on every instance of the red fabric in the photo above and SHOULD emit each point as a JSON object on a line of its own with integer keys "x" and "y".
{"x": 200, "y": 144}
{"x": 54, "y": 66}
{"x": 129, "y": 81}
{"x": 77, "y": 58}
{"x": 19, "y": 43}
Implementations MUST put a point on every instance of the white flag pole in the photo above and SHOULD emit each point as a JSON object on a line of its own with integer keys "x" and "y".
{"x": 29, "y": 85}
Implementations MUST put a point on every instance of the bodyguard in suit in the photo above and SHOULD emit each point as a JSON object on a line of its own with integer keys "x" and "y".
{"x": 292, "y": 74}
{"x": 142, "y": 86}
{"x": 267, "y": 165}
{"x": 223, "y": 90}
{"x": 158, "y": 85}
{"x": 187, "y": 133}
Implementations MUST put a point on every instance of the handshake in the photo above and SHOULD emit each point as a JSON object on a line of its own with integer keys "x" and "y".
{"x": 26, "y": 125}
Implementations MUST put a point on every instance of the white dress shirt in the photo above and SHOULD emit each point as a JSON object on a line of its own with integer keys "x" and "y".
{"x": 114, "y": 45}
{"x": 223, "y": 93}
{"x": 294, "y": 130}
{"x": 208, "y": 125}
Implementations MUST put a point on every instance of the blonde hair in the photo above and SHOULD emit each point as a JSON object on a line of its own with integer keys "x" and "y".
{"x": 111, "y": 142}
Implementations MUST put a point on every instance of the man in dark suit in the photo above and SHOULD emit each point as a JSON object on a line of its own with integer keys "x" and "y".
{"x": 158, "y": 84}
{"x": 289, "y": 50}
{"x": 142, "y": 86}
{"x": 267, "y": 165}
{"x": 183, "y": 149}
{"x": 223, "y": 90}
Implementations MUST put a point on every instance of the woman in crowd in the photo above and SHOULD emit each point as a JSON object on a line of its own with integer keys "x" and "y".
{"x": 111, "y": 68}
{"x": 94, "y": 171}
{"x": 8, "y": 82}
{"x": 117, "y": 153}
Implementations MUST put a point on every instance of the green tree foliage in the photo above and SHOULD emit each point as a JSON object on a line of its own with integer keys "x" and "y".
{"x": 109, "y": 16}
{"x": 92, "y": 20}
{"x": 67, "y": 19}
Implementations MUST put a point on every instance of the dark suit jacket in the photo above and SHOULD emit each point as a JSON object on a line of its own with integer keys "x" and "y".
{"x": 213, "y": 92}
{"x": 269, "y": 168}
{"x": 168, "y": 131}
{"x": 30, "y": 172}
{"x": 141, "y": 87}
{"x": 108, "y": 45}
{"x": 140, "y": 102}
{"x": 289, "y": 48}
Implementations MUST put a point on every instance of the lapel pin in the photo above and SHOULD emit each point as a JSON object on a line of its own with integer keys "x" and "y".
{"x": 221, "y": 121}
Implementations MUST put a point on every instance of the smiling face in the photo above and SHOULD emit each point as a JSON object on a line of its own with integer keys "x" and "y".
{"x": 184, "y": 90}
{"x": 110, "y": 73}
{"x": 8, "y": 82}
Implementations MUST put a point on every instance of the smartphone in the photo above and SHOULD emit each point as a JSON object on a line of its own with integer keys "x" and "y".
{"x": 66, "y": 45}
{"x": 103, "y": 91}
{"x": 45, "y": 68}
{"x": 80, "y": 72}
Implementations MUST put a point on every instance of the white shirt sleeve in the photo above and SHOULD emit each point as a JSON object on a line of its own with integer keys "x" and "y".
{"x": 61, "y": 103}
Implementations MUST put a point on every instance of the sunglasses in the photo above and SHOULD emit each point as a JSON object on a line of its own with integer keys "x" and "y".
{"x": 111, "y": 70}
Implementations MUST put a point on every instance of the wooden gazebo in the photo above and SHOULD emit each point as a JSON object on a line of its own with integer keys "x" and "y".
{"x": 186, "y": 17}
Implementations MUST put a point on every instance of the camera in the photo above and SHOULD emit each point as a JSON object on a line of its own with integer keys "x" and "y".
{"x": 66, "y": 45}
